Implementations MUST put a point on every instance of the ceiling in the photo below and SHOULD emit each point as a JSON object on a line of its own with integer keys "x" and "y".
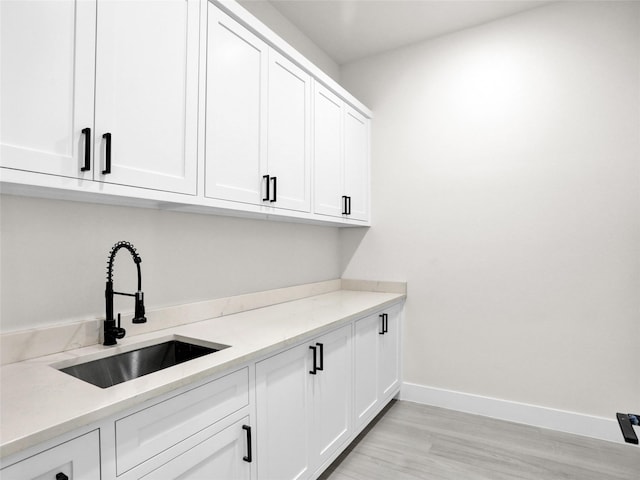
{"x": 348, "y": 30}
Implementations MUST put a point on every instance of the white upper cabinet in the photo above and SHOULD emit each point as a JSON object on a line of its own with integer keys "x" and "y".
{"x": 341, "y": 158}
{"x": 147, "y": 93}
{"x": 47, "y": 64}
{"x": 192, "y": 103}
{"x": 142, "y": 58}
{"x": 257, "y": 120}
{"x": 235, "y": 110}
{"x": 356, "y": 164}
{"x": 288, "y": 134}
{"x": 328, "y": 153}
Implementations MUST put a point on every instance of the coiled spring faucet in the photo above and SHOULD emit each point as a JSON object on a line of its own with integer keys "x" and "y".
{"x": 112, "y": 332}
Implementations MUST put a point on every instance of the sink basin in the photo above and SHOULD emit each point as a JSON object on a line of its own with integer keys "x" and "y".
{"x": 109, "y": 371}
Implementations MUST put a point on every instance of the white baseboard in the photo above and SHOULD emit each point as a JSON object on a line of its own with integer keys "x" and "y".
{"x": 560, "y": 420}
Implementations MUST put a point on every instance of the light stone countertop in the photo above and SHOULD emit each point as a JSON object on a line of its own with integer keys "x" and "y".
{"x": 39, "y": 402}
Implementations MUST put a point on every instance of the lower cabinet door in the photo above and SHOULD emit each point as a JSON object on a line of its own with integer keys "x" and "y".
{"x": 389, "y": 353}
{"x": 282, "y": 409}
{"x": 223, "y": 456}
{"x": 365, "y": 344}
{"x": 77, "y": 459}
{"x": 332, "y": 394}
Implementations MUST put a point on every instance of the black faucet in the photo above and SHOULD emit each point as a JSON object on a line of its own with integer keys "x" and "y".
{"x": 112, "y": 331}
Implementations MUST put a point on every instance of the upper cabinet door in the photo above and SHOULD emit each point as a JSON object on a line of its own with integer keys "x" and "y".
{"x": 235, "y": 110}
{"x": 327, "y": 159}
{"x": 356, "y": 163}
{"x": 47, "y": 63}
{"x": 289, "y": 134}
{"x": 147, "y": 93}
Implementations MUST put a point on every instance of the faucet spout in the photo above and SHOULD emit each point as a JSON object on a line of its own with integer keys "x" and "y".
{"x": 112, "y": 332}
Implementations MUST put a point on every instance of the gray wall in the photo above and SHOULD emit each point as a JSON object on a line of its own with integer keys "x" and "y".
{"x": 506, "y": 191}
{"x": 54, "y": 253}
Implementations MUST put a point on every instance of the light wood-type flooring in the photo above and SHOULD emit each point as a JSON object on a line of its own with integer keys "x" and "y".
{"x": 412, "y": 441}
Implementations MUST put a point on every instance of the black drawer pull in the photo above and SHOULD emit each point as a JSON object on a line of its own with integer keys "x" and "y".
{"x": 249, "y": 456}
{"x": 275, "y": 189}
{"x": 321, "y": 347}
{"x": 382, "y": 330}
{"x": 266, "y": 196}
{"x": 344, "y": 204}
{"x": 107, "y": 154}
{"x": 61, "y": 476}
{"x": 315, "y": 365}
{"x": 385, "y": 323}
{"x": 87, "y": 151}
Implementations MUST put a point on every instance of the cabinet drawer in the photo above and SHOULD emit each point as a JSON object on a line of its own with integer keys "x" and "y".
{"x": 76, "y": 459}
{"x": 219, "y": 456}
{"x": 148, "y": 432}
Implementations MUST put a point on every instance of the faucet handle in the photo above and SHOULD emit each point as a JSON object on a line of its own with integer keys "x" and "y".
{"x": 139, "y": 317}
{"x": 119, "y": 331}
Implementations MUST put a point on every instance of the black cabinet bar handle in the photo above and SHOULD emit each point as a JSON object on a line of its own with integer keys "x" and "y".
{"x": 87, "y": 151}
{"x": 266, "y": 197}
{"x": 321, "y": 346}
{"x": 349, "y": 205}
{"x": 344, "y": 204}
{"x": 382, "y": 332}
{"x": 275, "y": 189}
{"x": 385, "y": 323}
{"x": 61, "y": 476}
{"x": 107, "y": 154}
{"x": 249, "y": 456}
{"x": 315, "y": 365}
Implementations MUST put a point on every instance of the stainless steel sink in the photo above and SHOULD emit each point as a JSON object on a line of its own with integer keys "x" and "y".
{"x": 109, "y": 371}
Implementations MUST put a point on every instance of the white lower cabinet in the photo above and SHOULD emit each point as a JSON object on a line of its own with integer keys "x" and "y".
{"x": 332, "y": 395}
{"x": 303, "y": 401}
{"x": 144, "y": 434}
{"x": 377, "y": 362}
{"x": 179, "y": 426}
{"x": 282, "y": 414}
{"x": 389, "y": 353}
{"x": 225, "y": 455}
{"x": 285, "y": 419}
{"x": 77, "y": 459}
